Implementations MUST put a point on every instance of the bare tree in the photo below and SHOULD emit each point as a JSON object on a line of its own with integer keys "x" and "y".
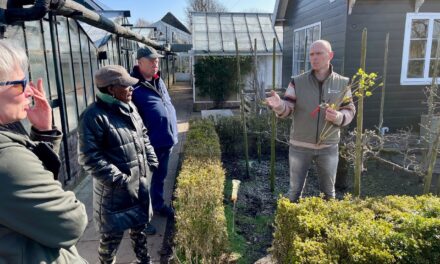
{"x": 203, "y": 6}
{"x": 142, "y": 23}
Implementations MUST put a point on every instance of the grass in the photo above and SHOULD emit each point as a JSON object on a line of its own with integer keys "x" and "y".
{"x": 237, "y": 243}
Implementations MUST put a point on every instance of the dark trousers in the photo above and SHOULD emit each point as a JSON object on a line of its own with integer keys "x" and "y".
{"x": 109, "y": 244}
{"x": 159, "y": 175}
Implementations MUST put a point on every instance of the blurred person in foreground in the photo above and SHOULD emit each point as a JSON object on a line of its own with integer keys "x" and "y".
{"x": 39, "y": 221}
{"x": 115, "y": 149}
{"x": 308, "y": 99}
{"x": 157, "y": 111}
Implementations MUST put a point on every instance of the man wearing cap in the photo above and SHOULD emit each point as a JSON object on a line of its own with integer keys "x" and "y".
{"x": 154, "y": 104}
{"x": 115, "y": 149}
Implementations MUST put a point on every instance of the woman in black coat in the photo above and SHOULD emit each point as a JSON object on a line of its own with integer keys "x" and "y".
{"x": 116, "y": 151}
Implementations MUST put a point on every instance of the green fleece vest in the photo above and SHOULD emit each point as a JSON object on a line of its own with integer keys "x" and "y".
{"x": 310, "y": 94}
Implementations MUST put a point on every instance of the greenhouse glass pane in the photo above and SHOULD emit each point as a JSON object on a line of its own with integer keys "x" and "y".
{"x": 253, "y": 24}
{"x": 198, "y": 19}
{"x": 77, "y": 66}
{"x": 36, "y": 53}
{"x": 213, "y": 23}
{"x": 50, "y": 61}
{"x": 227, "y": 26}
{"x": 87, "y": 67}
{"x": 240, "y": 23}
{"x": 215, "y": 43}
{"x": 66, "y": 67}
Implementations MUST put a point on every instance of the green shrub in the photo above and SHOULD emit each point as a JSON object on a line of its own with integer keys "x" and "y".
{"x": 392, "y": 229}
{"x": 230, "y": 132}
{"x": 201, "y": 235}
{"x": 216, "y": 76}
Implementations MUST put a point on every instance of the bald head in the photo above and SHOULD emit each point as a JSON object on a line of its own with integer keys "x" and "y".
{"x": 320, "y": 55}
{"x": 322, "y": 43}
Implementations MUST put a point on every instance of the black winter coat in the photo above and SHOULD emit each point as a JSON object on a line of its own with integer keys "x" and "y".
{"x": 115, "y": 149}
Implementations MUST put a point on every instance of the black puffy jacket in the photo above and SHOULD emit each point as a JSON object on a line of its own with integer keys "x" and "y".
{"x": 115, "y": 149}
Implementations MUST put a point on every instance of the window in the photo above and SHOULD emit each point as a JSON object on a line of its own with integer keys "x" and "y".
{"x": 77, "y": 66}
{"x": 422, "y": 31}
{"x": 302, "y": 38}
{"x": 67, "y": 73}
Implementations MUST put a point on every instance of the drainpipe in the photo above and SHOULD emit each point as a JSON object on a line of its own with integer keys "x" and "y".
{"x": 16, "y": 13}
{"x": 81, "y": 13}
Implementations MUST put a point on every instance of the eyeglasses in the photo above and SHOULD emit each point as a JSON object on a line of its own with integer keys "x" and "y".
{"x": 22, "y": 82}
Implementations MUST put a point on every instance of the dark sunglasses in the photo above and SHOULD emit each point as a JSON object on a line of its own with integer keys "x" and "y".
{"x": 22, "y": 82}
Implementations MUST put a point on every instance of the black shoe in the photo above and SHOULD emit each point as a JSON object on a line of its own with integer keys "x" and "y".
{"x": 166, "y": 211}
{"x": 149, "y": 229}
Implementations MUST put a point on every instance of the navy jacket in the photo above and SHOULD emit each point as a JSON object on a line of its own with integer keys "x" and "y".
{"x": 157, "y": 111}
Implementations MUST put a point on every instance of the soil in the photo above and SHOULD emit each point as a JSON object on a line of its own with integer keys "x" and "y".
{"x": 256, "y": 204}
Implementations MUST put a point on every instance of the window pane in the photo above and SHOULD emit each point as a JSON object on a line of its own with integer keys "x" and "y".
{"x": 316, "y": 32}
{"x": 16, "y": 34}
{"x": 436, "y": 29}
{"x": 93, "y": 52}
{"x": 56, "y": 117}
{"x": 77, "y": 66}
{"x": 419, "y": 28}
{"x": 50, "y": 62}
{"x": 87, "y": 67}
{"x": 435, "y": 37}
{"x": 66, "y": 67}
{"x": 36, "y": 53}
{"x": 415, "y": 68}
{"x": 431, "y": 68}
{"x": 434, "y": 48}
{"x": 417, "y": 49}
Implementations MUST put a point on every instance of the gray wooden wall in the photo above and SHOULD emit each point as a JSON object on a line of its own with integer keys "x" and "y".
{"x": 403, "y": 104}
{"x": 301, "y": 13}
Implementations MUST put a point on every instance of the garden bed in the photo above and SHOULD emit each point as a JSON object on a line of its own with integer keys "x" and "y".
{"x": 256, "y": 204}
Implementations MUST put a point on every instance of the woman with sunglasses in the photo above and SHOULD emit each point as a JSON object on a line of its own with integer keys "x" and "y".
{"x": 39, "y": 221}
{"x": 116, "y": 151}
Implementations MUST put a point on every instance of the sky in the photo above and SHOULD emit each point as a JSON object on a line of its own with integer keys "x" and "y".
{"x": 153, "y": 11}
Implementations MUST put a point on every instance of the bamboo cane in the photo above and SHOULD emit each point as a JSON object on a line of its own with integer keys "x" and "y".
{"x": 243, "y": 116}
{"x": 432, "y": 149}
{"x": 273, "y": 128}
{"x": 385, "y": 66}
{"x": 257, "y": 100}
{"x": 359, "y": 150}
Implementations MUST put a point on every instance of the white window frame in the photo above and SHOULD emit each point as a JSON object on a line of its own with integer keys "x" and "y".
{"x": 293, "y": 38}
{"x": 426, "y": 80}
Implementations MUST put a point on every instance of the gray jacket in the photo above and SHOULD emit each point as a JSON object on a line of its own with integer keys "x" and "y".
{"x": 39, "y": 221}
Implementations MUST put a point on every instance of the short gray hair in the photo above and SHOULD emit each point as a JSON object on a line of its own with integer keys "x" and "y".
{"x": 11, "y": 56}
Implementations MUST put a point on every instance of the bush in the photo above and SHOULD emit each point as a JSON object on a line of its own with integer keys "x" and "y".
{"x": 230, "y": 132}
{"x": 392, "y": 229}
{"x": 201, "y": 235}
{"x": 216, "y": 76}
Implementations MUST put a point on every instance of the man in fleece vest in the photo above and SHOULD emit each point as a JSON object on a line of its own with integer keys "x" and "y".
{"x": 308, "y": 98}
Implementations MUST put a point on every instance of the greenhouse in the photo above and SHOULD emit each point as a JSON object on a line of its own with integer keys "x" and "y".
{"x": 214, "y": 35}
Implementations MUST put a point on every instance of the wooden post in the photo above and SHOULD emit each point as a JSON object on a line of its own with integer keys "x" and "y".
{"x": 385, "y": 66}
{"x": 360, "y": 117}
{"x": 243, "y": 116}
{"x": 273, "y": 126}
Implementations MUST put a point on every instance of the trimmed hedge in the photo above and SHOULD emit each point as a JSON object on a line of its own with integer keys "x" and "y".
{"x": 393, "y": 229}
{"x": 201, "y": 235}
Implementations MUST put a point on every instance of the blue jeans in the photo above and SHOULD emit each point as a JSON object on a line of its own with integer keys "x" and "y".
{"x": 300, "y": 160}
{"x": 159, "y": 175}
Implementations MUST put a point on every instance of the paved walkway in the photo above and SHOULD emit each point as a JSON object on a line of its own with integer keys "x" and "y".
{"x": 181, "y": 93}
